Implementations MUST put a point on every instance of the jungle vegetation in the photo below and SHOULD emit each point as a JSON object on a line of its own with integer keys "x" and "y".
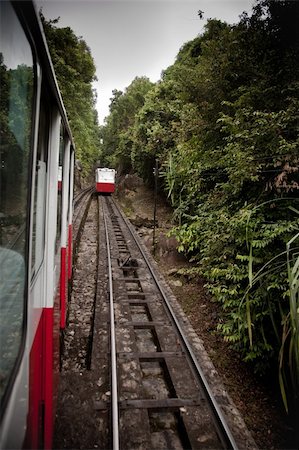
{"x": 223, "y": 123}
{"x": 75, "y": 70}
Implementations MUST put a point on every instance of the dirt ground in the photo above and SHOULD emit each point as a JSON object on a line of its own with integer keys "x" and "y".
{"x": 258, "y": 401}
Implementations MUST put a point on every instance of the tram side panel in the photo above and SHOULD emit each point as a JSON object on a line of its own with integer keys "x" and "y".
{"x": 35, "y": 230}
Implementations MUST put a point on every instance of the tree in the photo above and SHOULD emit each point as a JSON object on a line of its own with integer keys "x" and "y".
{"x": 223, "y": 121}
{"x": 75, "y": 71}
{"x": 118, "y": 131}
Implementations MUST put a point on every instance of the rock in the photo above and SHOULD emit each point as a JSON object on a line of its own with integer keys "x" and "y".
{"x": 143, "y": 222}
{"x": 172, "y": 271}
{"x": 176, "y": 283}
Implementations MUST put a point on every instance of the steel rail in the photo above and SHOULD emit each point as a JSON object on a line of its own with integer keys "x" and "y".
{"x": 229, "y": 440}
{"x": 114, "y": 394}
{"x": 80, "y": 195}
{"x": 77, "y": 202}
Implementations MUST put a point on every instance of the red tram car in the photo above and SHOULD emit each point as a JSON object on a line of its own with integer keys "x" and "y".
{"x": 105, "y": 180}
{"x": 37, "y": 164}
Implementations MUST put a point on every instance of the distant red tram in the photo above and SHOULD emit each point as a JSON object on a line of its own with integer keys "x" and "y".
{"x": 105, "y": 180}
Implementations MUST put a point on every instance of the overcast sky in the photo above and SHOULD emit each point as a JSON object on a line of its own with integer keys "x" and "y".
{"x": 136, "y": 37}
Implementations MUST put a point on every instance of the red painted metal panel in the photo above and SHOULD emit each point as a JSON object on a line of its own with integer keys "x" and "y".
{"x": 105, "y": 187}
{"x": 70, "y": 248}
{"x": 34, "y": 435}
{"x": 48, "y": 376}
{"x": 63, "y": 288}
{"x": 56, "y": 354}
{"x": 56, "y": 348}
{"x": 43, "y": 381}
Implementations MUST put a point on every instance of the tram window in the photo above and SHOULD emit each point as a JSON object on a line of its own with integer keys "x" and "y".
{"x": 16, "y": 108}
{"x": 59, "y": 186}
{"x": 38, "y": 226}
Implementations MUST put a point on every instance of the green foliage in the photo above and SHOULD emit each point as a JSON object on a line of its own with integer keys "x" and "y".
{"x": 155, "y": 128}
{"x": 290, "y": 337}
{"x": 118, "y": 133}
{"x": 223, "y": 122}
{"x": 75, "y": 71}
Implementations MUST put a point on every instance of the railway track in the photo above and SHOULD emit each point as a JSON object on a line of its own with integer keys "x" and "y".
{"x": 82, "y": 202}
{"x": 174, "y": 407}
{"x": 127, "y": 356}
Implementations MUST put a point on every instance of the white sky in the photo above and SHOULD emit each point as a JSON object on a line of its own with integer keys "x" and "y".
{"x": 130, "y": 38}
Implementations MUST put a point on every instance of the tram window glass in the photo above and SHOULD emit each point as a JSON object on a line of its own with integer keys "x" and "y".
{"x": 38, "y": 226}
{"x": 59, "y": 186}
{"x": 17, "y": 98}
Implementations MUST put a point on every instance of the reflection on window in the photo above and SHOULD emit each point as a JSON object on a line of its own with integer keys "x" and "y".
{"x": 38, "y": 226}
{"x": 17, "y": 79}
